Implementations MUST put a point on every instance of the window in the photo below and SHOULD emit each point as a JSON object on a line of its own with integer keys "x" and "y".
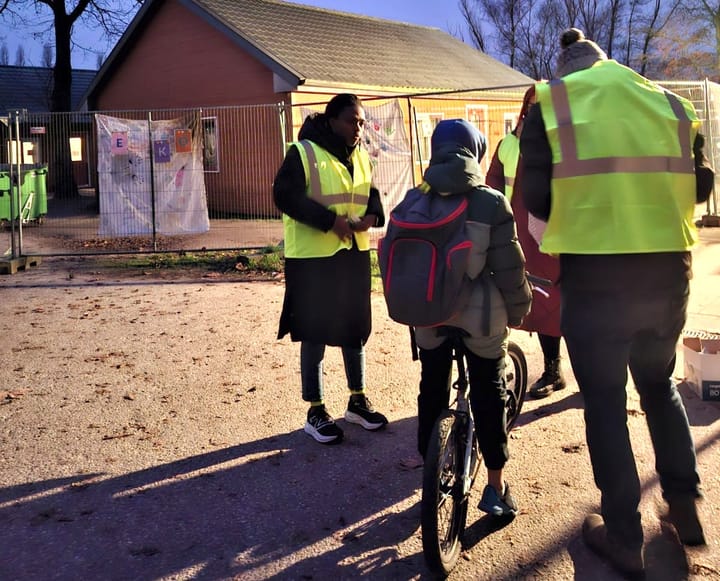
{"x": 425, "y": 124}
{"x": 478, "y": 116}
{"x": 76, "y": 149}
{"x": 211, "y": 159}
{"x": 510, "y": 120}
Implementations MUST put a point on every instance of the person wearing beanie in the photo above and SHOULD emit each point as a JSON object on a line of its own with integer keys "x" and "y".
{"x": 505, "y": 174}
{"x": 614, "y": 163}
{"x": 577, "y": 53}
{"x": 500, "y": 296}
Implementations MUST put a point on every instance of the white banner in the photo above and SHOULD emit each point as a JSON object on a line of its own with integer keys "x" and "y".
{"x": 127, "y": 167}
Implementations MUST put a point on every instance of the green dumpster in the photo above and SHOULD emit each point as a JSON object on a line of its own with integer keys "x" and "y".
{"x": 33, "y": 192}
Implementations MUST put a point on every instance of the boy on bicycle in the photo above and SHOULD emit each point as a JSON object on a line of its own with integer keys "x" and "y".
{"x": 500, "y": 298}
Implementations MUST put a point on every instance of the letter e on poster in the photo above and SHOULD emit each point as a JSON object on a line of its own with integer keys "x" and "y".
{"x": 119, "y": 143}
{"x": 183, "y": 141}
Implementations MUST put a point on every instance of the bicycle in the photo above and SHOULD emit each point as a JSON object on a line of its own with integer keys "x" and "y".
{"x": 453, "y": 459}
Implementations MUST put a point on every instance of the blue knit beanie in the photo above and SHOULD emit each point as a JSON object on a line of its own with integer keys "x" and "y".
{"x": 458, "y": 132}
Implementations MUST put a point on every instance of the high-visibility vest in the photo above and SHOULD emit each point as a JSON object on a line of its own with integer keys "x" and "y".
{"x": 329, "y": 182}
{"x": 509, "y": 155}
{"x": 623, "y": 173}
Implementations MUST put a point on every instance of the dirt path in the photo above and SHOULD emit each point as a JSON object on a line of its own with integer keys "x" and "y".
{"x": 151, "y": 428}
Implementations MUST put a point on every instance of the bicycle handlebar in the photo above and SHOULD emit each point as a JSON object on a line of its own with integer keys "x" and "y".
{"x": 537, "y": 280}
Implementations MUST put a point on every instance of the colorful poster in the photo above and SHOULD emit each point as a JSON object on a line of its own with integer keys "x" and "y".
{"x": 150, "y": 187}
{"x": 119, "y": 143}
{"x": 161, "y": 151}
{"x": 183, "y": 141}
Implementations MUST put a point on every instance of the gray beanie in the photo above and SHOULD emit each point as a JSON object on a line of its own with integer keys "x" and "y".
{"x": 577, "y": 53}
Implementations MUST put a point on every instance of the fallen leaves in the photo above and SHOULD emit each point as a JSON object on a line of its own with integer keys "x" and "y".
{"x": 10, "y": 396}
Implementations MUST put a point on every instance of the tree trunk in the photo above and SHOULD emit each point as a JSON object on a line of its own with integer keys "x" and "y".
{"x": 61, "y": 102}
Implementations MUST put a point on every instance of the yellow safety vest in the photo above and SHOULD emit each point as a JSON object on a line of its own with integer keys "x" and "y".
{"x": 623, "y": 173}
{"x": 328, "y": 182}
{"x": 509, "y": 155}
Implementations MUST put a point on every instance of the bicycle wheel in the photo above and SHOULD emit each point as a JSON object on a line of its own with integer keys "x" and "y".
{"x": 443, "y": 508}
{"x": 515, "y": 382}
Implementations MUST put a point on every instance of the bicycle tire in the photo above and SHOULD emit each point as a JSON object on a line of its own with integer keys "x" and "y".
{"x": 443, "y": 509}
{"x": 515, "y": 383}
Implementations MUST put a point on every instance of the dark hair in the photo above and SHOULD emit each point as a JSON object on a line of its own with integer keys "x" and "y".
{"x": 338, "y": 103}
{"x": 529, "y": 94}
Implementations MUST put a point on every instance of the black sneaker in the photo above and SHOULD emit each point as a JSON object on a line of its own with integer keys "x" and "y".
{"x": 360, "y": 411}
{"x": 322, "y": 427}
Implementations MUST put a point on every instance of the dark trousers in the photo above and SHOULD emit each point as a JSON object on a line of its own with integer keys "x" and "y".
{"x": 606, "y": 332}
{"x": 550, "y": 346}
{"x": 487, "y": 400}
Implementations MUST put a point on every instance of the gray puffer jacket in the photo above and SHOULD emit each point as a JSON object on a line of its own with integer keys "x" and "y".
{"x": 501, "y": 294}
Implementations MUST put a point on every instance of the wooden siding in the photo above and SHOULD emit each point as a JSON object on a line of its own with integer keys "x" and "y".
{"x": 251, "y": 149}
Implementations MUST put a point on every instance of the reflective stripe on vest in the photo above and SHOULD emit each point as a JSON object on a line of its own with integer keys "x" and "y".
{"x": 571, "y": 166}
{"x": 608, "y": 198}
{"x": 329, "y": 183}
{"x": 509, "y": 155}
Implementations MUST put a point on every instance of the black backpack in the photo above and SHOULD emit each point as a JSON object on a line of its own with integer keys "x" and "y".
{"x": 423, "y": 258}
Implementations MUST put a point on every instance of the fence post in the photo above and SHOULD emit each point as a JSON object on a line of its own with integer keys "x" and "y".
{"x": 15, "y": 190}
{"x": 711, "y": 208}
{"x": 152, "y": 179}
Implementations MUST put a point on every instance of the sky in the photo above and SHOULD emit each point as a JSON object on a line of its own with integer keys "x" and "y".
{"x": 443, "y": 14}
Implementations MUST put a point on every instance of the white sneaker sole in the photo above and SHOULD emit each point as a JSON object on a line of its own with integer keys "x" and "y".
{"x": 317, "y": 436}
{"x": 354, "y": 418}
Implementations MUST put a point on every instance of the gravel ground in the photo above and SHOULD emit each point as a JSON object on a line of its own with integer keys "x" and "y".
{"x": 151, "y": 428}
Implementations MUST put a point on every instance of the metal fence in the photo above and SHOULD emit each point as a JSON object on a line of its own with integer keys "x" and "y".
{"x": 115, "y": 182}
{"x": 705, "y": 96}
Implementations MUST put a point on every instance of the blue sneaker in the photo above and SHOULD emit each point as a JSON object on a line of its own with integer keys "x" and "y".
{"x": 496, "y": 505}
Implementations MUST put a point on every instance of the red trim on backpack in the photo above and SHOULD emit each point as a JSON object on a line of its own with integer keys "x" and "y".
{"x": 462, "y": 246}
{"x": 433, "y": 268}
{"x": 449, "y": 218}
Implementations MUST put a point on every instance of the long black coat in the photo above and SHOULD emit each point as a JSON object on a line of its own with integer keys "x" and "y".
{"x": 327, "y": 300}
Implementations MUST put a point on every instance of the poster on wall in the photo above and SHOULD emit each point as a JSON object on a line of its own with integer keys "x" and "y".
{"x": 151, "y": 171}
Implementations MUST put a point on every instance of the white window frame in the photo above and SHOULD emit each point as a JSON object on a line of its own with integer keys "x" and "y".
{"x": 478, "y": 115}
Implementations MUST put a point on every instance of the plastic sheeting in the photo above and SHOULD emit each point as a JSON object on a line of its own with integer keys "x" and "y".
{"x": 150, "y": 177}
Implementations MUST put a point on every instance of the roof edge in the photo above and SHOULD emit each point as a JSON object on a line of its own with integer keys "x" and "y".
{"x": 281, "y": 69}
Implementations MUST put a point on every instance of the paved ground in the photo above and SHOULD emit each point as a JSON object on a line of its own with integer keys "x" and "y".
{"x": 150, "y": 428}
